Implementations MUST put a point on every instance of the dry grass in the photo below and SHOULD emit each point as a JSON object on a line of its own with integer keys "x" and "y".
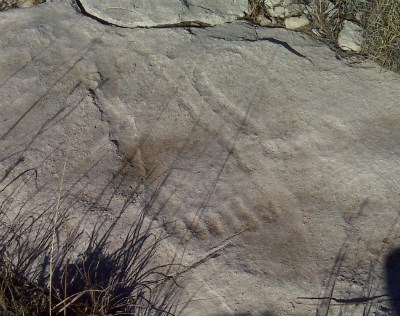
{"x": 380, "y": 20}
{"x": 256, "y": 8}
{"x": 325, "y": 18}
{"x": 41, "y": 273}
{"x": 51, "y": 264}
{"x": 10, "y": 4}
{"x": 382, "y": 34}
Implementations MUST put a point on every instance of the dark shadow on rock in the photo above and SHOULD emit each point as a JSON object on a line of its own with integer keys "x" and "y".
{"x": 392, "y": 269}
{"x": 107, "y": 276}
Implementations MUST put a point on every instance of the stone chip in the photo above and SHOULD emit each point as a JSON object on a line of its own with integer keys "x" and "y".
{"x": 294, "y": 23}
{"x": 350, "y": 37}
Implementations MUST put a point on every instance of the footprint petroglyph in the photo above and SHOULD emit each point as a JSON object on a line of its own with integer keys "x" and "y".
{"x": 205, "y": 207}
{"x": 213, "y": 185}
{"x": 208, "y": 173}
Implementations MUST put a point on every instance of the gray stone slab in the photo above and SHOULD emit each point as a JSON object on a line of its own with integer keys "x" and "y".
{"x": 158, "y": 13}
{"x": 230, "y": 127}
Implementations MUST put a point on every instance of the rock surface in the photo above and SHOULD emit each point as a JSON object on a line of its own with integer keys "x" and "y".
{"x": 156, "y": 13}
{"x": 350, "y": 37}
{"x": 294, "y": 23}
{"x": 227, "y": 129}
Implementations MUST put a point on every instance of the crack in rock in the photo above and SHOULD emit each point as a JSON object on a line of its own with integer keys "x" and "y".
{"x": 268, "y": 39}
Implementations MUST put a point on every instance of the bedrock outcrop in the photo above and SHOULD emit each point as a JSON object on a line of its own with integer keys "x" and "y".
{"x": 232, "y": 129}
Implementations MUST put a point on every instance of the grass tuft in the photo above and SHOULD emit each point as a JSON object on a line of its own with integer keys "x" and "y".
{"x": 380, "y": 20}
{"x": 11, "y": 4}
{"x": 47, "y": 268}
{"x": 382, "y": 34}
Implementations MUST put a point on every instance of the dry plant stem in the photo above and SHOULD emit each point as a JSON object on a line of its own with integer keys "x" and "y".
{"x": 101, "y": 281}
{"x": 53, "y": 237}
{"x": 255, "y": 9}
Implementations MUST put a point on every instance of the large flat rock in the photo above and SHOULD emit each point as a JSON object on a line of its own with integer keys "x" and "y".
{"x": 227, "y": 129}
{"x": 158, "y": 13}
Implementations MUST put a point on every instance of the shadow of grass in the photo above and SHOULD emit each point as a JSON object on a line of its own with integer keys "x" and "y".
{"x": 92, "y": 272}
{"x": 392, "y": 269}
{"x": 359, "y": 289}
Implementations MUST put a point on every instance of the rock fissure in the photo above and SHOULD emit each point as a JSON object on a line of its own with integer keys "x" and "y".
{"x": 95, "y": 101}
{"x": 268, "y": 39}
